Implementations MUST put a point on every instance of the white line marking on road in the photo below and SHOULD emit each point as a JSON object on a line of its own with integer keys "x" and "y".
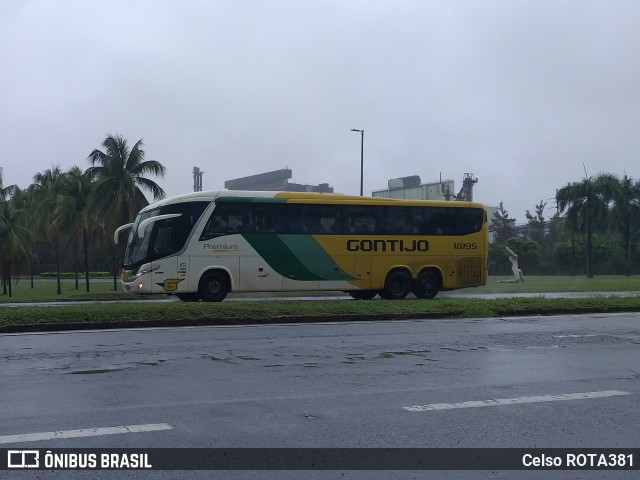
{"x": 87, "y": 432}
{"x": 576, "y": 336}
{"x": 516, "y": 401}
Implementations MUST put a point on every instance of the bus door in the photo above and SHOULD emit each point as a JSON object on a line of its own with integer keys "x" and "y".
{"x": 335, "y": 272}
{"x": 257, "y": 275}
{"x": 301, "y": 273}
{"x": 362, "y": 271}
{"x": 164, "y": 261}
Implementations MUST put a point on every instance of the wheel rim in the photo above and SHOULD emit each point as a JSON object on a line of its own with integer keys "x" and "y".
{"x": 426, "y": 286}
{"x": 396, "y": 288}
{"x": 398, "y": 285}
{"x": 214, "y": 287}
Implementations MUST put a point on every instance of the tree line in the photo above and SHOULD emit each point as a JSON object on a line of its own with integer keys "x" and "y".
{"x": 66, "y": 219}
{"x": 69, "y": 216}
{"x": 595, "y": 229}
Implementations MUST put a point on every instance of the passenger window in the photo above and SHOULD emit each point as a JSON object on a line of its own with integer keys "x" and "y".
{"x": 265, "y": 218}
{"x": 362, "y": 220}
{"x": 402, "y": 220}
{"x": 320, "y": 219}
{"x": 164, "y": 243}
{"x": 225, "y": 220}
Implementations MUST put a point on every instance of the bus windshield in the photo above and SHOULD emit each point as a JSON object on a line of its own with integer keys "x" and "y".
{"x": 162, "y": 238}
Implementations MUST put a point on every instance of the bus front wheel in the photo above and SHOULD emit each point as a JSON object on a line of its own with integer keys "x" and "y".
{"x": 213, "y": 287}
{"x": 396, "y": 286}
{"x": 426, "y": 285}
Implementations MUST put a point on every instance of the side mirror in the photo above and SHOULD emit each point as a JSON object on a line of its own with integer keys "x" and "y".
{"x": 116, "y": 234}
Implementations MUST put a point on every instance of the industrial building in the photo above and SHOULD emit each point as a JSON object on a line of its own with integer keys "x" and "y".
{"x": 412, "y": 188}
{"x": 277, "y": 180}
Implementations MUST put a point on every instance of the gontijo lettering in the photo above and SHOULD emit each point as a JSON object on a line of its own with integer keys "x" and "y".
{"x": 391, "y": 245}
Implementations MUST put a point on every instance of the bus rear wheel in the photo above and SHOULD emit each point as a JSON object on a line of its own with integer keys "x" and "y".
{"x": 396, "y": 286}
{"x": 213, "y": 287}
{"x": 426, "y": 285}
{"x": 362, "y": 294}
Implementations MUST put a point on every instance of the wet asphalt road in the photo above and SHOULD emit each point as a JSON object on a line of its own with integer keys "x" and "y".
{"x": 331, "y": 385}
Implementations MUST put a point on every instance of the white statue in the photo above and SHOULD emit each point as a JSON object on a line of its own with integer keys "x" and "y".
{"x": 517, "y": 273}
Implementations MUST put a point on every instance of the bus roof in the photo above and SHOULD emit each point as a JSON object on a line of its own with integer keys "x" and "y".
{"x": 302, "y": 197}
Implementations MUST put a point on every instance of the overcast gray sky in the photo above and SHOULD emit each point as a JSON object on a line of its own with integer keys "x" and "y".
{"x": 521, "y": 93}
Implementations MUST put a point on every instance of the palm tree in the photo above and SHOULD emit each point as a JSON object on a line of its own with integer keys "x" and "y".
{"x": 72, "y": 214}
{"x": 15, "y": 237}
{"x": 4, "y": 193}
{"x": 586, "y": 204}
{"x": 120, "y": 176}
{"x": 47, "y": 192}
{"x": 624, "y": 212}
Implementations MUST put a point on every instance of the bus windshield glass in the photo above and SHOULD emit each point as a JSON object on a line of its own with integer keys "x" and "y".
{"x": 165, "y": 237}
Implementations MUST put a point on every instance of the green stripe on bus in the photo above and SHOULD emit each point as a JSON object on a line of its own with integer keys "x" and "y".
{"x": 315, "y": 257}
{"x": 298, "y": 257}
{"x": 280, "y": 257}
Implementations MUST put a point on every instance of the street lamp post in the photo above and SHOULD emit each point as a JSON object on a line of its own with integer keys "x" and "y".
{"x": 361, "y": 156}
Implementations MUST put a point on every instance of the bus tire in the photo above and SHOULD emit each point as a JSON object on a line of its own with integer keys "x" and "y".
{"x": 397, "y": 285}
{"x": 426, "y": 285}
{"x": 213, "y": 286}
{"x": 362, "y": 294}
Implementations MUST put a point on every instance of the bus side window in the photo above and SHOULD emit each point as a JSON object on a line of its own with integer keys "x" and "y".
{"x": 363, "y": 220}
{"x": 319, "y": 219}
{"x": 291, "y": 219}
{"x": 433, "y": 221}
{"x": 236, "y": 223}
{"x": 444, "y": 222}
{"x": 216, "y": 226}
{"x": 165, "y": 242}
{"x": 329, "y": 219}
{"x": 402, "y": 220}
{"x": 263, "y": 218}
{"x": 468, "y": 220}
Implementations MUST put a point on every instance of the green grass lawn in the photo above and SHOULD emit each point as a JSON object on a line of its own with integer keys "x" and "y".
{"x": 578, "y": 283}
{"x": 102, "y": 289}
{"x": 133, "y": 313}
{"x": 45, "y": 290}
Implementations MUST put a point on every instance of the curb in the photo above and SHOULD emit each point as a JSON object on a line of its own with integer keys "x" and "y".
{"x": 289, "y": 319}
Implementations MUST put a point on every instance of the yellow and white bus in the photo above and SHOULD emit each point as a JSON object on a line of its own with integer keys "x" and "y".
{"x": 204, "y": 245}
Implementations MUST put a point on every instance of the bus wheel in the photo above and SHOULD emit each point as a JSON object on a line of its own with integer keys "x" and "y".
{"x": 188, "y": 297}
{"x": 213, "y": 287}
{"x": 426, "y": 285}
{"x": 396, "y": 286}
{"x": 362, "y": 294}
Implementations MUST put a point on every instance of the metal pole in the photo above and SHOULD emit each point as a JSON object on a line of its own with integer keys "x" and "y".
{"x": 361, "y": 157}
{"x": 361, "y": 160}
